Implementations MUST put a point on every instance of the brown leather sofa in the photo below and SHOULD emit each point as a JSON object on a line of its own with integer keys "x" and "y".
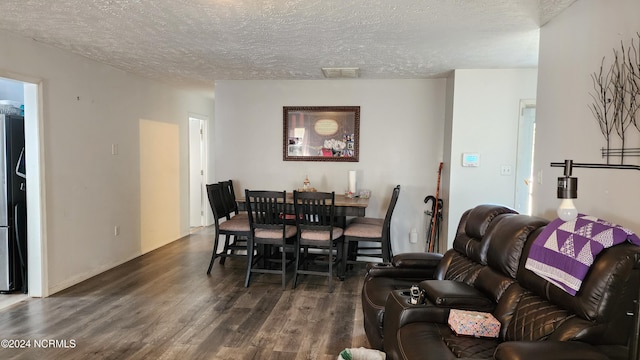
{"x": 461, "y": 263}
{"x": 538, "y": 320}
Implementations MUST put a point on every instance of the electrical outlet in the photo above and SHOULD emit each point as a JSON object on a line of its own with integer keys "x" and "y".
{"x": 413, "y": 236}
{"x": 505, "y": 170}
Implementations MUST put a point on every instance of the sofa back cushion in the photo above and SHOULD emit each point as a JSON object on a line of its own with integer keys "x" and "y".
{"x": 457, "y": 267}
{"x": 506, "y": 239}
{"x": 468, "y": 255}
{"x": 471, "y": 231}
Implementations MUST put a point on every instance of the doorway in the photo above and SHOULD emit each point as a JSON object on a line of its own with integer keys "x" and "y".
{"x": 197, "y": 171}
{"x": 524, "y": 157}
{"x": 34, "y": 165}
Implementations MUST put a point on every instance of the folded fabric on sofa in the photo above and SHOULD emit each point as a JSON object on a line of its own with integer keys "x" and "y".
{"x": 564, "y": 251}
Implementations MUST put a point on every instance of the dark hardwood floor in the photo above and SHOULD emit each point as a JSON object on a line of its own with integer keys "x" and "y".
{"x": 163, "y": 306}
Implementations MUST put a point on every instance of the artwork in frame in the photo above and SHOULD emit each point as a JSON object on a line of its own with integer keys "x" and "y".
{"x": 321, "y": 133}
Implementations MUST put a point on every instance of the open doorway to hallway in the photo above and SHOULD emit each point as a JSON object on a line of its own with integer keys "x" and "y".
{"x": 197, "y": 171}
{"x": 27, "y": 91}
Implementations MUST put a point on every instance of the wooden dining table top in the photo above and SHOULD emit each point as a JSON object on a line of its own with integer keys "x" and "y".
{"x": 345, "y": 206}
{"x": 341, "y": 200}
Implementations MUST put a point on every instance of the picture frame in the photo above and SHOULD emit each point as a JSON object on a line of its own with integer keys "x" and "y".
{"x": 321, "y": 133}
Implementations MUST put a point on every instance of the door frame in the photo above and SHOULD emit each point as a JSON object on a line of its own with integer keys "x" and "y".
{"x": 198, "y": 169}
{"x": 38, "y": 281}
{"x": 525, "y": 148}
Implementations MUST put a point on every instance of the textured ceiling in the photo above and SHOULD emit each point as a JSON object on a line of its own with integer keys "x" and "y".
{"x": 195, "y": 42}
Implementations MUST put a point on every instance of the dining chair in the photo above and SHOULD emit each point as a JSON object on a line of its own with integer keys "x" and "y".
{"x": 230, "y": 199}
{"x": 372, "y": 230}
{"x": 315, "y": 217}
{"x": 238, "y": 246}
{"x": 269, "y": 232}
{"x": 224, "y": 224}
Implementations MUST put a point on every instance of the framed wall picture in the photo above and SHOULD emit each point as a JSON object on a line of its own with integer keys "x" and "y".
{"x": 321, "y": 133}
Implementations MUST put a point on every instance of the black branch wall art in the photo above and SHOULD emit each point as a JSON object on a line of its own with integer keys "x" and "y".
{"x": 616, "y": 97}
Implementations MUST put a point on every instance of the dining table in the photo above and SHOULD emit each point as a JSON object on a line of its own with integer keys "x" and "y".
{"x": 345, "y": 206}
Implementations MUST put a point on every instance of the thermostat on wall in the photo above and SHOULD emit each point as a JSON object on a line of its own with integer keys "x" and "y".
{"x": 470, "y": 159}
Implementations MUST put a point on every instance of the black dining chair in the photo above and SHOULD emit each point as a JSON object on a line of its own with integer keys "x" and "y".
{"x": 233, "y": 245}
{"x": 269, "y": 234}
{"x": 224, "y": 224}
{"x": 371, "y": 230}
{"x": 315, "y": 217}
{"x": 230, "y": 202}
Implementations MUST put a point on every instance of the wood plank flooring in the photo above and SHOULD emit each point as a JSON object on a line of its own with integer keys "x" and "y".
{"x": 163, "y": 306}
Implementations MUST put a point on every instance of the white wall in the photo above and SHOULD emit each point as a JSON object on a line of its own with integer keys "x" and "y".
{"x": 571, "y": 49}
{"x": 87, "y": 107}
{"x": 401, "y": 137}
{"x": 484, "y": 119}
{"x": 11, "y": 90}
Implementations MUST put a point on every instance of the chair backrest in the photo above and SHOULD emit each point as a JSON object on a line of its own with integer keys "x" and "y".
{"x": 266, "y": 209}
{"x": 386, "y": 225}
{"x": 392, "y": 206}
{"x": 229, "y": 197}
{"x": 314, "y": 210}
{"x": 216, "y": 201}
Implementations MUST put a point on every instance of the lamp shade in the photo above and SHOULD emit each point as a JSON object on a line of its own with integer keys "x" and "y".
{"x": 567, "y": 187}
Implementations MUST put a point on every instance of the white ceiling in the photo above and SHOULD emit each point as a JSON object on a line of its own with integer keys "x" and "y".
{"x": 195, "y": 42}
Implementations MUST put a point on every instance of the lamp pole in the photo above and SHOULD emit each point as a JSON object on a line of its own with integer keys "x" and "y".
{"x": 564, "y": 192}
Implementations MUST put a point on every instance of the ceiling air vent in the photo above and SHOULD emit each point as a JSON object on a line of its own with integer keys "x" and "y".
{"x": 341, "y": 73}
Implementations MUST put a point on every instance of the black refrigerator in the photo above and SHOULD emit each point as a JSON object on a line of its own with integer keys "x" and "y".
{"x": 13, "y": 206}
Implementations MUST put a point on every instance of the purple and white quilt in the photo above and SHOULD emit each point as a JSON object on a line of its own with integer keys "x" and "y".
{"x": 564, "y": 251}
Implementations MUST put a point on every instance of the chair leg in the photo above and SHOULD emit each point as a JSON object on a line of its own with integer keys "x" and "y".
{"x": 284, "y": 266}
{"x": 345, "y": 260}
{"x": 213, "y": 258}
{"x": 226, "y": 249}
{"x": 249, "y": 261}
{"x": 215, "y": 251}
{"x": 353, "y": 252}
{"x": 295, "y": 269}
{"x": 339, "y": 259}
{"x": 330, "y": 266}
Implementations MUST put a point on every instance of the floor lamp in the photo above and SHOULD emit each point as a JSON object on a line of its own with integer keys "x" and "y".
{"x": 567, "y": 191}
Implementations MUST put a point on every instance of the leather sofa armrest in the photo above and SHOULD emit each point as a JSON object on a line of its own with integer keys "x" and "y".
{"x": 400, "y": 312}
{"x": 547, "y": 350}
{"x": 456, "y": 295}
{"x": 425, "y": 260}
{"x": 407, "y": 266}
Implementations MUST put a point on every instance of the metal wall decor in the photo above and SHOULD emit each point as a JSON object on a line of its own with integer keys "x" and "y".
{"x": 616, "y": 97}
